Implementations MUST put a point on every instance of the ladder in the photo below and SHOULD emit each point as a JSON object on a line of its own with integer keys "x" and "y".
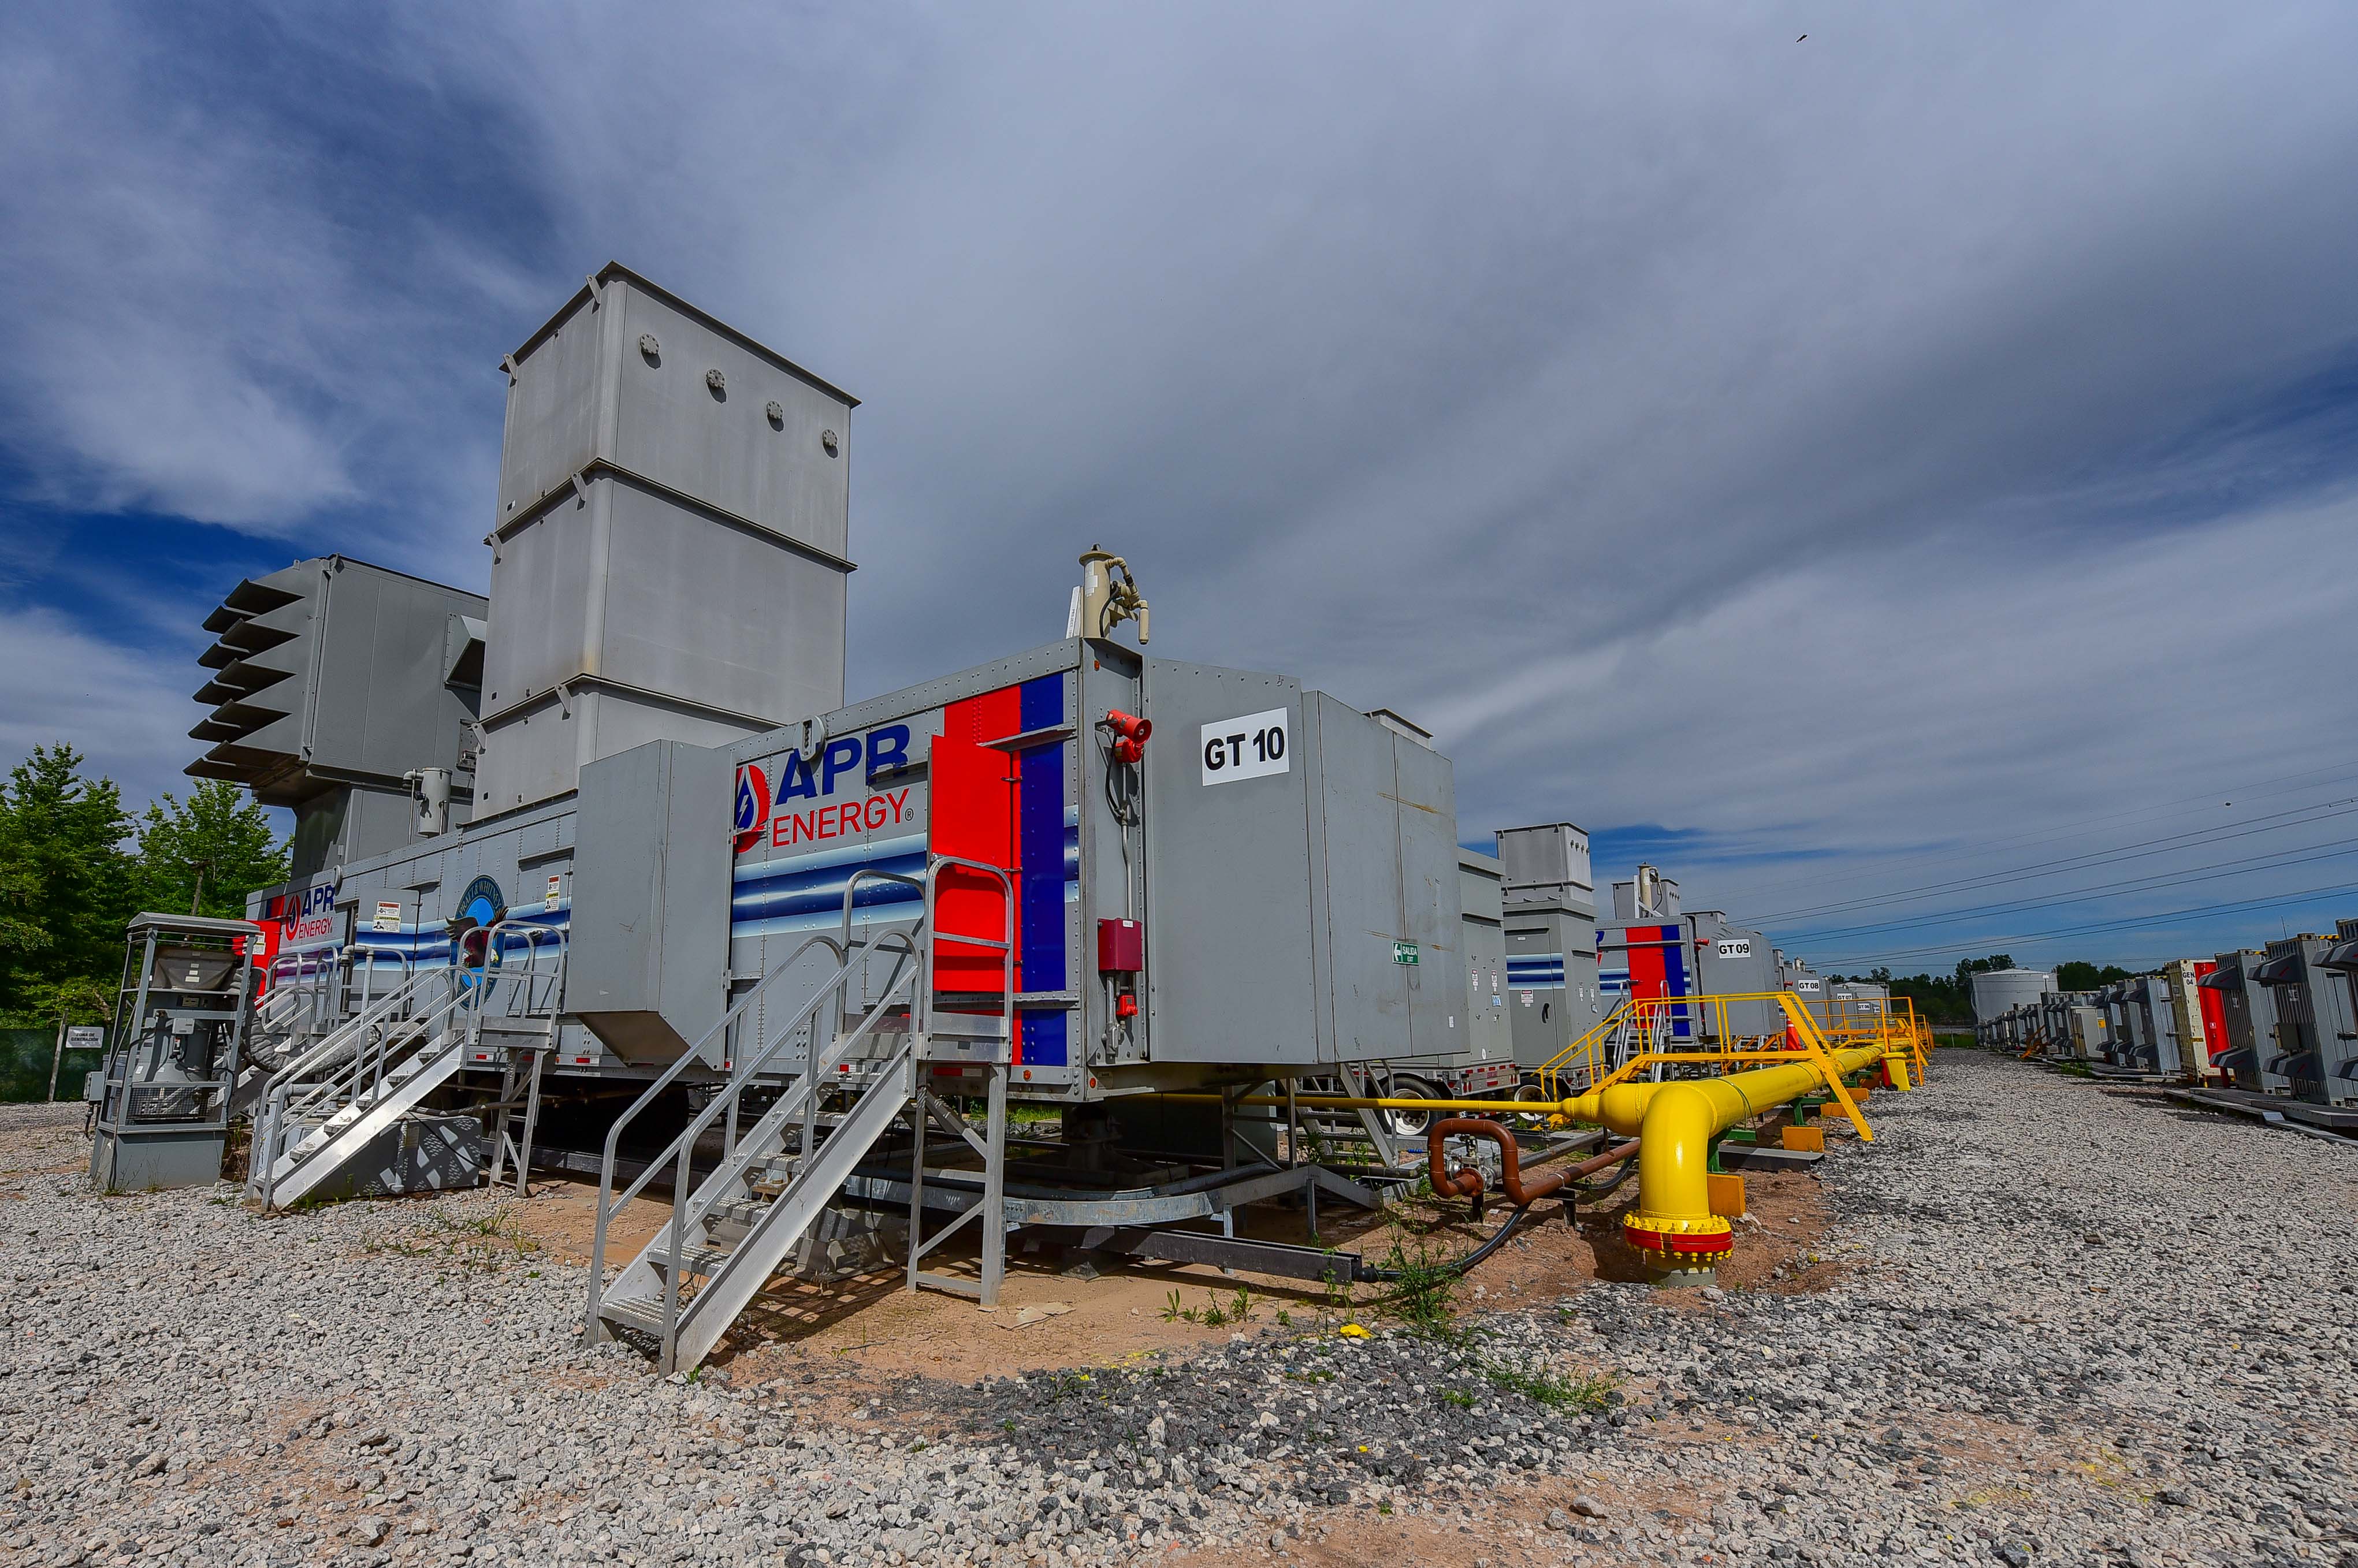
{"x": 730, "y": 1231}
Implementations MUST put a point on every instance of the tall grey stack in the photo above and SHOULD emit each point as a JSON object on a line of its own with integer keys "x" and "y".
{"x": 668, "y": 554}
{"x": 332, "y": 680}
{"x": 1550, "y": 911}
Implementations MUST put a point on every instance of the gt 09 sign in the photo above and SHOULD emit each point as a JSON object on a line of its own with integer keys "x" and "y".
{"x": 1252, "y": 747}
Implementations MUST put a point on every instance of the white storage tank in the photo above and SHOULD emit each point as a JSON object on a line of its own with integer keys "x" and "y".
{"x": 1996, "y": 990}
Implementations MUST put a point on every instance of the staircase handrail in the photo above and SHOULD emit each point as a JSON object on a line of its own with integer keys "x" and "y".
{"x": 335, "y": 1039}
{"x": 608, "y": 1204}
{"x": 527, "y": 973}
{"x": 685, "y": 1208}
{"x": 438, "y": 1022}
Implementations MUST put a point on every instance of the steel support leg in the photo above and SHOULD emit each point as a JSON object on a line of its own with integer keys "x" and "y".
{"x": 994, "y": 1189}
{"x": 531, "y": 1125}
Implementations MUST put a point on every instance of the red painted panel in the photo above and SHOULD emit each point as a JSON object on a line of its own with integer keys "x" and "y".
{"x": 970, "y": 813}
{"x": 993, "y": 716}
{"x": 2214, "y": 1012}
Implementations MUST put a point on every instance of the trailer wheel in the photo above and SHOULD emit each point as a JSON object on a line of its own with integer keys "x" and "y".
{"x": 1407, "y": 1123}
{"x": 1527, "y": 1094}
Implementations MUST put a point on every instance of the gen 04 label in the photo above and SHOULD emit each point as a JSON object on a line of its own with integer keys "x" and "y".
{"x": 1252, "y": 747}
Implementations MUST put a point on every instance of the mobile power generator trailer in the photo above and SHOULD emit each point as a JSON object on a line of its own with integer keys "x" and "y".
{"x": 569, "y": 859}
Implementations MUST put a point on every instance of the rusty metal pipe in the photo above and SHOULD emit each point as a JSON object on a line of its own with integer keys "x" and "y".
{"x": 1467, "y": 1181}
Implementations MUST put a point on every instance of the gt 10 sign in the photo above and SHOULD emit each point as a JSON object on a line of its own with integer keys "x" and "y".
{"x": 1252, "y": 747}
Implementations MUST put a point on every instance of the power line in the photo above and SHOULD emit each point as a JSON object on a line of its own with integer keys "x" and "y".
{"x": 2256, "y": 790}
{"x": 2282, "y": 859}
{"x": 2137, "y": 850}
{"x": 2141, "y": 921}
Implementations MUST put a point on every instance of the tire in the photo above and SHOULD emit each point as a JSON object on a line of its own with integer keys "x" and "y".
{"x": 1407, "y": 1123}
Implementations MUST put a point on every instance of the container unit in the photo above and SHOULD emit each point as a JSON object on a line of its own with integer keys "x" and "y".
{"x": 2091, "y": 1033}
{"x": 2159, "y": 1047}
{"x": 1847, "y": 1002}
{"x": 2120, "y": 1035}
{"x": 1696, "y": 954}
{"x": 2194, "y": 1014}
{"x": 1553, "y": 995}
{"x": 2340, "y": 963}
{"x": 2247, "y": 1013}
{"x": 2314, "y": 1025}
{"x": 1996, "y": 990}
{"x": 1289, "y": 863}
{"x": 1796, "y": 976}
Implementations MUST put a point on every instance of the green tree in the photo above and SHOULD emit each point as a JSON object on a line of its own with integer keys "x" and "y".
{"x": 65, "y": 879}
{"x": 2076, "y": 976}
{"x": 203, "y": 855}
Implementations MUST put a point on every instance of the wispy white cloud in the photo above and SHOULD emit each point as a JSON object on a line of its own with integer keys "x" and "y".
{"x": 128, "y": 714}
{"x": 1882, "y": 441}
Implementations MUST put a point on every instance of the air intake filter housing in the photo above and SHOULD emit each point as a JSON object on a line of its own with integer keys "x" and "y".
{"x": 667, "y": 559}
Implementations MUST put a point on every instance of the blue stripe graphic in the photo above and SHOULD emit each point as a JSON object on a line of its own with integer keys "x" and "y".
{"x": 1043, "y": 842}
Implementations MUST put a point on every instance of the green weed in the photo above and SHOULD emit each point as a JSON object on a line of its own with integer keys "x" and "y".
{"x": 1542, "y": 1385}
{"x": 1424, "y": 1291}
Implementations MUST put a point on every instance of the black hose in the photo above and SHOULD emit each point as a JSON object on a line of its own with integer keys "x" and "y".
{"x": 1594, "y": 1190}
{"x": 1460, "y": 1266}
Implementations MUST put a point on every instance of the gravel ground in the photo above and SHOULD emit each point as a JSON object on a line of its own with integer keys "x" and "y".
{"x": 2055, "y": 1325}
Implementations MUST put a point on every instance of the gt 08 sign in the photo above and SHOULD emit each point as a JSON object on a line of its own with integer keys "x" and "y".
{"x": 1252, "y": 747}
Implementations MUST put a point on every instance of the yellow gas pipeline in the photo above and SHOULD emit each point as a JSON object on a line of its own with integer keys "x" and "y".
{"x": 1674, "y": 1123}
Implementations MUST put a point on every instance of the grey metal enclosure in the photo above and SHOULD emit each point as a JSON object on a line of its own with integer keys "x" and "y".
{"x": 668, "y": 546}
{"x": 2158, "y": 1046}
{"x": 2314, "y": 1025}
{"x": 2250, "y": 1010}
{"x": 1553, "y": 994}
{"x": 2340, "y": 1062}
{"x": 332, "y": 680}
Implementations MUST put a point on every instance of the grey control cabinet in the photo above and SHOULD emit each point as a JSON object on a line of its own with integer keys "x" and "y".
{"x": 651, "y": 869}
{"x": 1303, "y": 904}
{"x": 2250, "y": 1010}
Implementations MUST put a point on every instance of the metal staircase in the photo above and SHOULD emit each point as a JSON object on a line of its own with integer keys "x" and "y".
{"x": 729, "y": 1231}
{"x": 322, "y": 1109}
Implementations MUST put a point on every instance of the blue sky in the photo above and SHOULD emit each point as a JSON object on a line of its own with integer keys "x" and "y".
{"x": 1887, "y": 479}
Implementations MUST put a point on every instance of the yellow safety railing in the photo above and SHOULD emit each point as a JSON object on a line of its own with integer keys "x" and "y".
{"x": 1706, "y": 1020}
{"x": 1887, "y": 1022}
{"x": 1582, "y": 1062}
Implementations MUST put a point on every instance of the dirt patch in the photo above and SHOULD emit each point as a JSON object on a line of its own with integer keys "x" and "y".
{"x": 1051, "y": 1316}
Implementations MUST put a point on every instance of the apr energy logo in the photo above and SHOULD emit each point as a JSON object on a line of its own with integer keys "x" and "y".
{"x": 752, "y": 806}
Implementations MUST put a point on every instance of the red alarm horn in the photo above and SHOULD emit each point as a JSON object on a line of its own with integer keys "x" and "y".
{"x": 1129, "y": 726}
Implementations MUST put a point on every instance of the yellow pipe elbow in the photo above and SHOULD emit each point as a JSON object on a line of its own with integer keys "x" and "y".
{"x": 1673, "y": 1224}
